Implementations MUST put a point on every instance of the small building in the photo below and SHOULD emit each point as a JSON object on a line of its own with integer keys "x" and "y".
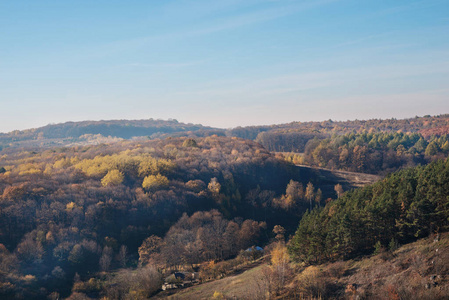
{"x": 256, "y": 248}
{"x": 254, "y": 252}
{"x": 180, "y": 280}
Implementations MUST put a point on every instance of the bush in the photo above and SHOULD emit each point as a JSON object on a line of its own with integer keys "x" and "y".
{"x": 313, "y": 283}
{"x": 378, "y": 248}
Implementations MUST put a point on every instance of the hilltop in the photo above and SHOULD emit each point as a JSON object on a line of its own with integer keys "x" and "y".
{"x": 288, "y": 137}
{"x": 427, "y": 125}
{"x": 95, "y": 132}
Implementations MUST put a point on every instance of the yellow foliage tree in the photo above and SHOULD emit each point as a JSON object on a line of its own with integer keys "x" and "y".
{"x": 279, "y": 255}
{"x": 214, "y": 186}
{"x": 62, "y": 163}
{"x": 153, "y": 166}
{"x": 30, "y": 168}
{"x": 155, "y": 182}
{"x": 113, "y": 177}
{"x": 147, "y": 166}
{"x": 280, "y": 265}
{"x": 48, "y": 169}
{"x": 70, "y": 206}
{"x": 93, "y": 167}
{"x": 100, "y": 165}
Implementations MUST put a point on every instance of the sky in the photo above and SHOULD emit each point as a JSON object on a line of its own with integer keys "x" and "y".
{"x": 222, "y": 63}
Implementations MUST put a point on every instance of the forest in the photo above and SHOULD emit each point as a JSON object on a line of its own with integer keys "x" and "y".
{"x": 427, "y": 125}
{"x": 68, "y": 213}
{"x": 374, "y": 146}
{"x": 111, "y": 219}
{"x": 374, "y": 153}
{"x": 403, "y": 207}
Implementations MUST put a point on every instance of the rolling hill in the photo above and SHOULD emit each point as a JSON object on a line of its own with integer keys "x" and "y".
{"x": 95, "y": 132}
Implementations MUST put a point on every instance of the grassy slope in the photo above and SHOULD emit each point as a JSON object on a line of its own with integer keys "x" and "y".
{"x": 404, "y": 273}
{"x": 418, "y": 270}
{"x": 240, "y": 286}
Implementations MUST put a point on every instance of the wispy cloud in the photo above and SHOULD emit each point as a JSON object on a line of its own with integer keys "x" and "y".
{"x": 214, "y": 25}
{"x": 258, "y": 17}
{"x": 167, "y": 64}
{"x": 363, "y": 39}
{"x": 239, "y": 88}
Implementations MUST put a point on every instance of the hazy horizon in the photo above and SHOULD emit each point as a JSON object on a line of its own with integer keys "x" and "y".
{"x": 224, "y": 64}
{"x": 207, "y": 125}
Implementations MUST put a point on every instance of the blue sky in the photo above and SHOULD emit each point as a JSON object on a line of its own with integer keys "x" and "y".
{"x": 222, "y": 63}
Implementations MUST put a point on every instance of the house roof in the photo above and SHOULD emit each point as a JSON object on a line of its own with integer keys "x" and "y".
{"x": 257, "y": 248}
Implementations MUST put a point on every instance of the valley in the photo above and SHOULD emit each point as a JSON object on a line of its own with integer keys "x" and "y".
{"x": 224, "y": 150}
{"x": 112, "y": 218}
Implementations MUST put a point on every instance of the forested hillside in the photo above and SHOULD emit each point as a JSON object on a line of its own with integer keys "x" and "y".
{"x": 406, "y": 205}
{"x": 375, "y": 153}
{"x": 428, "y": 125}
{"x": 372, "y": 146}
{"x": 68, "y": 213}
{"x": 388, "y": 240}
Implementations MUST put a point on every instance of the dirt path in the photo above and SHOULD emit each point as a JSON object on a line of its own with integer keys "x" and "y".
{"x": 327, "y": 179}
{"x": 353, "y": 178}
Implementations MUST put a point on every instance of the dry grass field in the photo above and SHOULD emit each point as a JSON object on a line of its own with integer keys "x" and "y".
{"x": 414, "y": 271}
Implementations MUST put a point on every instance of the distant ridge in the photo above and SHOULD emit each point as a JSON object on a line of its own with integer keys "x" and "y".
{"x": 295, "y": 135}
{"x": 291, "y": 136}
{"x": 86, "y": 131}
